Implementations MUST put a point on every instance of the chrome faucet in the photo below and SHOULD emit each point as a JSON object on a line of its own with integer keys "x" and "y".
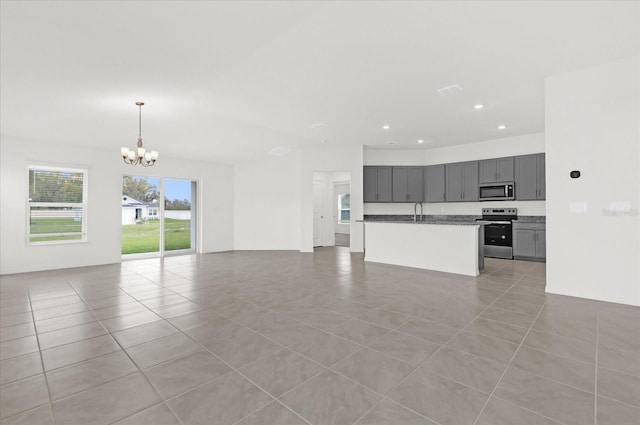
{"x": 415, "y": 211}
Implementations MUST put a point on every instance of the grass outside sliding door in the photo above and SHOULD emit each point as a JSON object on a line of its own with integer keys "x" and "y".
{"x": 138, "y": 238}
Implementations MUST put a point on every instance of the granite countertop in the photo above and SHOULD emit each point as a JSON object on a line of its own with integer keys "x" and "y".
{"x": 532, "y": 219}
{"x": 456, "y": 220}
{"x": 461, "y": 220}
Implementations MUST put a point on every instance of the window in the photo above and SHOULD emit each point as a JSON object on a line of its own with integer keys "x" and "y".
{"x": 57, "y": 204}
{"x": 344, "y": 208}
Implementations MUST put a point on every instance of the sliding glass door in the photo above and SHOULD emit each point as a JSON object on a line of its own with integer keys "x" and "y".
{"x": 178, "y": 215}
{"x": 158, "y": 216}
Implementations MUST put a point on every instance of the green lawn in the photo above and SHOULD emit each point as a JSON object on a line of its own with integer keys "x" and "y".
{"x": 136, "y": 238}
{"x": 55, "y": 225}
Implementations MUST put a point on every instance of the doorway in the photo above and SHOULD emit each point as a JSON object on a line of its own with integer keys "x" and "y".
{"x": 318, "y": 213}
{"x": 331, "y": 208}
{"x": 158, "y": 216}
{"x": 342, "y": 208}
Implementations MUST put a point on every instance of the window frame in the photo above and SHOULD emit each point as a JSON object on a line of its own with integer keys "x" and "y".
{"x": 33, "y": 165}
{"x": 340, "y": 209}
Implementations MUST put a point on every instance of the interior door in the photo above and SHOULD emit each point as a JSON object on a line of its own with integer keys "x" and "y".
{"x": 318, "y": 218}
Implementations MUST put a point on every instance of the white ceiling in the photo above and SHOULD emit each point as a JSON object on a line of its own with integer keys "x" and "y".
{"x": 230, "y": 81}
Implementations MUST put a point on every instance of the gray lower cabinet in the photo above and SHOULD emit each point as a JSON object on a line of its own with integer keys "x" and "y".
{"x": 529, "y": 241}
{"x": 530, "y": 177}
{"x": 462, "y": 181}
{"x": 496, "y": 170}
{"x": 377, "y": 184}
{"x": 407, "y": 184}
{"x": 434, "y": 188}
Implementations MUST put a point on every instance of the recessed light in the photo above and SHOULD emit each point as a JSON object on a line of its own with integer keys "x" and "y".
{"x": 323, "y": 141}
{"x": 502, "y": 127}
{"x": 386, "y": 127}
{"x": 478, "y": 106}
{"x": 390, "y": 142}
{"x": 420, "y": 141}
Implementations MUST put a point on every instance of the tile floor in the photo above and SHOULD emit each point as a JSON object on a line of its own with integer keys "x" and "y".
{"x": 288, "y": 338}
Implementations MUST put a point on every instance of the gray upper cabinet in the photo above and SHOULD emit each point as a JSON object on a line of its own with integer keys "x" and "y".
{"x": 530, "y": 177}
{"x": 456, "y": 182}
{"x": 434, "y": 188}
{"x": 462, "y": 181}
{"x": 407, "y": 184}
{"x": 470, "y": 181}
{"x": 496, "y": 170}
{"x": 377, "y": 184}
{"x": 541, "y": 177}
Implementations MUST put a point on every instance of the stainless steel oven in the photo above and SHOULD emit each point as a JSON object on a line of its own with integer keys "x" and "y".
{"x": 497, "y": 192}
{"x": 498, "y": 234}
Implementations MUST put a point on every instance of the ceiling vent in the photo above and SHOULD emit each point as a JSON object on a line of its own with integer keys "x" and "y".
{"x": 279, "y": 151}
{"x": 451, "y": 90}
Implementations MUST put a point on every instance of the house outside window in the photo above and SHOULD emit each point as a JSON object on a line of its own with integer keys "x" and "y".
{"x": 344, "y": 208}
{"x": 56, "y": 205}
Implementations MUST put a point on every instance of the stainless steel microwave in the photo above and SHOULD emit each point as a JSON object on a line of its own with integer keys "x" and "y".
{"x": 497, "y": 191}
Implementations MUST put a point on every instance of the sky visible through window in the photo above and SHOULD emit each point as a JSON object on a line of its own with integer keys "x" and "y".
{"x": 177, "y": 189}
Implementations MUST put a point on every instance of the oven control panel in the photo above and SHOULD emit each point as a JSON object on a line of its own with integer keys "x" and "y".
{"x": 500, "y": 211}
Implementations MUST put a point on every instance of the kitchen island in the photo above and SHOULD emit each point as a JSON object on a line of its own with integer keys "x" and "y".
{"x": 452, "y": 246}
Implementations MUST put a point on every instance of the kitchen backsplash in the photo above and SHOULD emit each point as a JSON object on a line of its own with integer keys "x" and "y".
{"x": 456, "y": 208}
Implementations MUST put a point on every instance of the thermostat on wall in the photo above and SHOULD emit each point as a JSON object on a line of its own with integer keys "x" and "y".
{"x": 574, "y": 174}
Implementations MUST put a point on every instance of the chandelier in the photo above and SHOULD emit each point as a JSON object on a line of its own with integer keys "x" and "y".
{"x": 139, "y": 155}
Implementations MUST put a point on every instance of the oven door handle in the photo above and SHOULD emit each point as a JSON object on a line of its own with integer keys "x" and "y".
{"x": 498, "y": 222}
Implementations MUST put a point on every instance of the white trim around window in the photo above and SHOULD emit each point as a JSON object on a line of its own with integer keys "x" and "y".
{"x": 56, "y": 204}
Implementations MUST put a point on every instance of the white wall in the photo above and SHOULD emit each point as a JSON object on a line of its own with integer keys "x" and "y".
{"x": 265, "y": 189}
{"x": 509, "y": 146}
{"x": 104, "y": 204}
{"x": 593, "y": 125}
{"x": 267, "y": 203}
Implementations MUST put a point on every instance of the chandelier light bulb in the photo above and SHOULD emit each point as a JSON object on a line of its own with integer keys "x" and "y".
{"x": 139, "y": 155}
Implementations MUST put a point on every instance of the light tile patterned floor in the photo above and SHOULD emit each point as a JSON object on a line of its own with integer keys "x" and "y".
{"x": 288, "y": 338}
